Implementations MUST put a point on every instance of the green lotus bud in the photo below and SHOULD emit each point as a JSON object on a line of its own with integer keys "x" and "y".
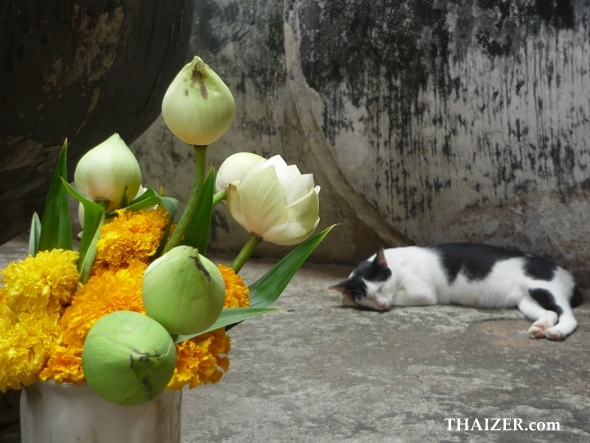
{"x": 198, "y": 107}
{"x": 183, "y": 291}
{"x": 128, "y": 358}
{"x": 109, "y": 172}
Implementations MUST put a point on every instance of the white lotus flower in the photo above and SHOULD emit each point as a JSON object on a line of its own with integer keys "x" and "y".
{"x": 235, "y": 167}
{"x": 198, "y": 107}
{"x": 275, "y": 202}
{"x": 109, "y": 172}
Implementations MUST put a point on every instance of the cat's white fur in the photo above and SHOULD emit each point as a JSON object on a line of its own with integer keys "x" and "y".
{"x": 419, "y": 279}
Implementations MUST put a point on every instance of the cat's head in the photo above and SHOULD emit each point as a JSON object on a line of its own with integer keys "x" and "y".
{"x": 370, "y": 285}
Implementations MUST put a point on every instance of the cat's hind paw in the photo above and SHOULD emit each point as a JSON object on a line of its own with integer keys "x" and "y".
{"x": 536, "y": 331}
{"x": 540, "y": 327}
{"x": 555, "y": 334}
{"x": 543, "y": 331}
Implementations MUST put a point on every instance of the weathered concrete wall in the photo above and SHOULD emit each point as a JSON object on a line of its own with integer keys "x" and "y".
{"x": 425, "y": 121}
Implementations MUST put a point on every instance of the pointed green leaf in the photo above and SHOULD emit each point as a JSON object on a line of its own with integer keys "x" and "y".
{"x": 94, "y": 217}
{"x": 56, "y": 229}
{"x": 151, "y": 198}
{"x": 86, "y": 261}
{"x": 34, "y": 234}
{"x": 230, "y": 316}
{"x": 197, "y": 232}
{"x": 271, "y": 285}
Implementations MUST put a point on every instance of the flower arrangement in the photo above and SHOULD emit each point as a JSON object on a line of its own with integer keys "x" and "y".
{"x": 138, "y": 307}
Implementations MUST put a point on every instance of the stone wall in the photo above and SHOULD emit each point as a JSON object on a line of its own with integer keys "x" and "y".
{"x": 423, "y": 121}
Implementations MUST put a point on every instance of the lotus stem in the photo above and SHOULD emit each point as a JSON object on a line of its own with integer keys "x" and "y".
{"x": 219, "y": 197}
{"x": 246, "y": 252}
{"x": 193, "y": 201}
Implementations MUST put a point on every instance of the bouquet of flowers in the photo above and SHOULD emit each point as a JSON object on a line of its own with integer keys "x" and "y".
{"x": 138, "y": 307}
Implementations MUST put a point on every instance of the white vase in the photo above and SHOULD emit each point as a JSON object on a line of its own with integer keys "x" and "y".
{"x": 68, "y": 413}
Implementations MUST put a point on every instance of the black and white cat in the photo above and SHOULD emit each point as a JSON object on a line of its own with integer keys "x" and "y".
{"x": 467, "y": 274}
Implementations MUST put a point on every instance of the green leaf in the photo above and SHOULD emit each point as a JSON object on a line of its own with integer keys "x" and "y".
{"x": 197, "y": 232}
{"x": 151, "y": 198}
{"x": 34, "y": 234}
{"x": 94, "y": 217}
{"x": 230, "y": 316}
{"x": 271, "y": 285}
{"x": 56, "y": 229}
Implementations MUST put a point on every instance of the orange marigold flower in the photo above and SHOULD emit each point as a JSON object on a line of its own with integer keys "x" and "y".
{"x": 106, "y": 292}
{"x": 236, "y": 291}
{"x": 201, "y": 360}
{"x": 130, "y": 237}
{"x": 64, "y": 364}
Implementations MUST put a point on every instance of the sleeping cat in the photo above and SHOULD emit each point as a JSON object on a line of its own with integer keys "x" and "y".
{"x": 467, "y": 274}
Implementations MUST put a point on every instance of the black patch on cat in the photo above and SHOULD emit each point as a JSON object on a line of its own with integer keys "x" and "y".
{"x": 476, "y": 261}
{"x": 539, "y": 268}
{"x": 354, "y": 287}
{"x": 545, "y": 299}
{"x": 576, "y": 299}
{"x": 374, "y": 271}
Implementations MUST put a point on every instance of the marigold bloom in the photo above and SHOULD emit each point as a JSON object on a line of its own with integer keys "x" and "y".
{"x": 107, "y": 292}
{"x": 102, "y": 294}
{"x": 201, "y": 360}
{"x": 236, "y": 291}
{"x": 30, "y": 301}
{"x": 130, "y": 237}
{"x": 64, "y": 364}
{"x": 115, "y": 286}
{"x": 24, "y": 347}
{"x": 43, "y": 282}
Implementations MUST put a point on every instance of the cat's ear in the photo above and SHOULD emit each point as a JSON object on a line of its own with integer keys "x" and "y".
{"x": 341, "y": 287}
{"x": 380, "y": 259}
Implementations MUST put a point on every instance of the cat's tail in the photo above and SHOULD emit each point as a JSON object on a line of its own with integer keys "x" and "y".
{"x": 577, "y": 298}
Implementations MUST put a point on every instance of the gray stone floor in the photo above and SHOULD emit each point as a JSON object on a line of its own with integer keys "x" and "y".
{"x": 318, "y": 372}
